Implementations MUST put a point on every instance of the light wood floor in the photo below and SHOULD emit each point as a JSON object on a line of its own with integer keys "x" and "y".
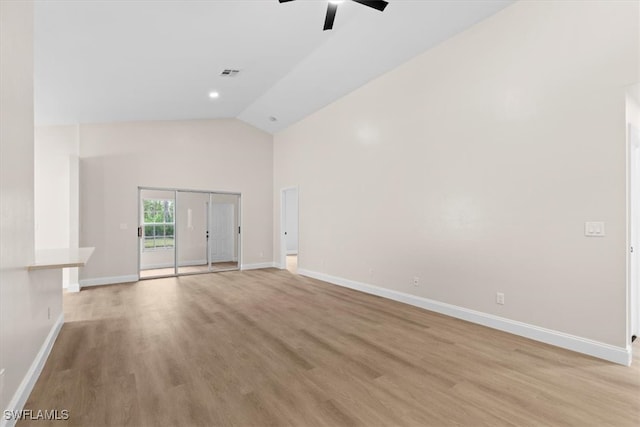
{"x": 292, "y": 263}
{"x": 267, "y": 347}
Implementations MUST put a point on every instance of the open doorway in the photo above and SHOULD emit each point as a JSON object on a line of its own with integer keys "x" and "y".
{"x": 289, "y": 239}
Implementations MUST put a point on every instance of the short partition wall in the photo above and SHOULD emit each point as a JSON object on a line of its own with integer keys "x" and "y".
{"x": 187, "y": 232}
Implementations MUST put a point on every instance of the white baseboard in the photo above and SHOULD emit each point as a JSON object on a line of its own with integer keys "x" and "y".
{"x": 99, "y": 281}
{"x": 597, "y": 349}
{"x": 73, "y": 287}
{"x": 26, "y": 386}
{"x": 257, "y": 266}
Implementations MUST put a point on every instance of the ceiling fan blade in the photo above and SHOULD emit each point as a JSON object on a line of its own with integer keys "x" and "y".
{"x": 284, "y": 1}
{"x": 331, "y": 16}
{"x": 376, "y": 4}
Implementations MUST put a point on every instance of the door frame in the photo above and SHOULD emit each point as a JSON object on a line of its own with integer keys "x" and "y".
{"x": 238, "y": 232}
{"x": 633, "y": 257}
{"x": 282, "y": 256}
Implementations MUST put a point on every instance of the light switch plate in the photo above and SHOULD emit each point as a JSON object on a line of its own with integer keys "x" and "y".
{"x": 594, "y": 229}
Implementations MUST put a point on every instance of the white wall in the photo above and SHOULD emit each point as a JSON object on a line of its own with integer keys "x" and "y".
{"x": 56, "y": 192}
{"x": 218, "y": 155}
{"x": 474, "y": 167}
{"x": 24, "y": 298}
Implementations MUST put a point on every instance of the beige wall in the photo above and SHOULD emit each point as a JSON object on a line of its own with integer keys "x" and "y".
{"x": 25, "y": 299}
{"x": 56, "y": 191}
{"x": 217, "y": 155}
{"x": 474, "y": 167}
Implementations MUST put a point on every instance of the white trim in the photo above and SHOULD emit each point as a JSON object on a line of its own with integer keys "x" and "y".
{"x": 180, "y": 264}
{"x": 292, "y": 253}
{"x": 99, "y": 281}
{"x": 258, "y": 266}
{"x": 597, "y": 349}
{"x": 26, "y": 386}
{"x": 164, "y": 265}
{"x": 73, "y": 287}
{"x": 633, "y": 289}
{"x": 220, "y": 259}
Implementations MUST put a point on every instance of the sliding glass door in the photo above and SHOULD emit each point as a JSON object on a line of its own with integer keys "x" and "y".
{"x": 224, "y": 231}
{"x": 188, "y": 232}
{"x": 193, "y": 232}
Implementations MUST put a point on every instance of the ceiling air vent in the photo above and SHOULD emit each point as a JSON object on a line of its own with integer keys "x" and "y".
{"x": 229, "y": 72}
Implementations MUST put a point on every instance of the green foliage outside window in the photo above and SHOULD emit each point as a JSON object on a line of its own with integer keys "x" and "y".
{"x": 159, "y": 224}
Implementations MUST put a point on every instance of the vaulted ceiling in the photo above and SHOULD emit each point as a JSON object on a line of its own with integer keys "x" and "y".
{"x": 110, "y": 61}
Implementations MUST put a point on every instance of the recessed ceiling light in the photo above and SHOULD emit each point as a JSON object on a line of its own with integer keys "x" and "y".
{"x": 214, "y": 95}
{"x": 336, "y": 1}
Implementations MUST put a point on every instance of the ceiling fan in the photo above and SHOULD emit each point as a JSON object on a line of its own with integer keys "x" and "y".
{"x": 332, "y": 7}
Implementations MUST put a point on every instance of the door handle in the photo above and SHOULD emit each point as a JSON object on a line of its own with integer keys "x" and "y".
{"x": 139, "y": 231}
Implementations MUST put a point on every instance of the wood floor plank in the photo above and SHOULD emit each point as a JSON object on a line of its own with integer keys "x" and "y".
{"x": 269, "y": 348}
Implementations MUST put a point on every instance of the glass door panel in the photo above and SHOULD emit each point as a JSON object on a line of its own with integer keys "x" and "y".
{"x": 156, "y": 233}
{"x": 193, "y": 231}
{"x": 224, "y": 231}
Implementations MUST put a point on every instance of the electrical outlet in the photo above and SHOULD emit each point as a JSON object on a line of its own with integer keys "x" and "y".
{"x": 416, "y": 281}
{"x": 594, "y": 229}
{"x": 499, "y": 298}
